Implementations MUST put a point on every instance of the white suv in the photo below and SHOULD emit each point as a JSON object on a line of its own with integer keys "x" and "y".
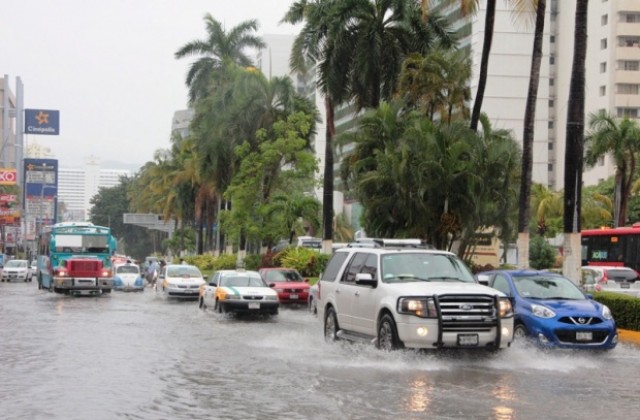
{"x": 398, "y": 297}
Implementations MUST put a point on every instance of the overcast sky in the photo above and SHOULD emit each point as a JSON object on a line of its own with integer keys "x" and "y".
{"x": 108, "y": 66}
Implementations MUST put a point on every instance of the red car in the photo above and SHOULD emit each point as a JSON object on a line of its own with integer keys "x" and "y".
{"x": 288, "y": 283}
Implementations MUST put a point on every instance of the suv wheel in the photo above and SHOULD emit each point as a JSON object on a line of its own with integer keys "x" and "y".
{"x": 388, "y": 334}
{"x": 331, "y": 325}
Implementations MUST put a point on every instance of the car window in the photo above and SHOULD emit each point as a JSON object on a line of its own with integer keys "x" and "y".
{"x": 413, "y": 266}
{"x": 333, "y": 266}
{"x": 546, "y": 287}
{"x": 621, "y": 275}
{"x": 355, "y": 267}
{"x": 242, "y": 281}
{"x": 371, "y": 266}
{"x": 283, "y": 275}
{"x": 500, "y": 283}
{"x": 127, "y": 269}
{"x": 183, "y": 271}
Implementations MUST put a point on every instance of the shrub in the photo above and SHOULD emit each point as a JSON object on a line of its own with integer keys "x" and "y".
{"x": 625, "y": 309}
{"x": 307, "y": 261}
{"x": 541, "y": 254}
{"x": 253, "y": 262}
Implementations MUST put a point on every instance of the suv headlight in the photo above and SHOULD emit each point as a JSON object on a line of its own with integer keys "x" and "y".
{"x": 418, "y": 306}
{"x": 542, "y": 311}
{"x": 505, "y": 309}
{"x": 606, "y": 312}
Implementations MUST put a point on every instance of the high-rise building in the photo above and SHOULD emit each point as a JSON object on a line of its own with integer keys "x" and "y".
{"x": 77, "y": 186}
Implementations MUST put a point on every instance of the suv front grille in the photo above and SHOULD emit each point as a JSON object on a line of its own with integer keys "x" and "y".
{"x": 467, "y": 313}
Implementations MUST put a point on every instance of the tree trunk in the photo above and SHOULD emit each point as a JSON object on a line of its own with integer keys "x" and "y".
{"x": 524, "y": 214}
{"x": 484, "y": 63}
{"x": 327, "y": 197}
{"x": 573, "y": 158}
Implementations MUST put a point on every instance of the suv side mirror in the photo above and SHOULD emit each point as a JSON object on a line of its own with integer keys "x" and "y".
{"x": 365, "y": 279}
{"x": 482, "y": 279}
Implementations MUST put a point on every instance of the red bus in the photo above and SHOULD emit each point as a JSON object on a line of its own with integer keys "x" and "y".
{"x": 612, "y": 246}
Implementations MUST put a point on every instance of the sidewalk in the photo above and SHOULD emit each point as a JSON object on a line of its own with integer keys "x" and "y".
{"x": 629, "y": 336}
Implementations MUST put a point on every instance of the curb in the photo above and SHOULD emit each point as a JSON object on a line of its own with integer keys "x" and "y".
{"x": 629, "y": 336}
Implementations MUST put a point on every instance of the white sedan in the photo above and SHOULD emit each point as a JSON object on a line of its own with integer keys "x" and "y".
{"x": 181, "y": 281}
{"x": 238, "y": 291}
{"x": 16, "y": 270}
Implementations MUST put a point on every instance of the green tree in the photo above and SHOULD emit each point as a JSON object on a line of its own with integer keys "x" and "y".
{"x": 108, "y": 207}
{"x": 619, "y": 138}
{"x": 297, "y": 213}
{"x": 219, "y": 46}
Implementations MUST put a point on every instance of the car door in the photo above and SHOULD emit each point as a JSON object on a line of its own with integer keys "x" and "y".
{"x": 364, "y": 304}
{"x": 210, "y": 289}
{"x": 346, "y": 290}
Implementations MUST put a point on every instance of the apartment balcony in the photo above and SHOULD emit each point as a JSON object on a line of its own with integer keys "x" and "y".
{"x": 627, "y": 76}
{"x": 626, "y": 101}
{"x": 627, "y": 29}
{"x": 628, "y": 53}
{"x": 628, "y": 5}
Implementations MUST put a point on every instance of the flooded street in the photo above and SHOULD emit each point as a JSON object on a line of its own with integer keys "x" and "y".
{"x": 139, "y": 356}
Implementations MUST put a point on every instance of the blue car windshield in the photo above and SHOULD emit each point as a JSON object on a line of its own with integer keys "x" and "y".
{"x": 546, "y": 287}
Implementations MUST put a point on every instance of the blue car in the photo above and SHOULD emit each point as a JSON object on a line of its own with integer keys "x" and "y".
{"x": 551, "y": 311}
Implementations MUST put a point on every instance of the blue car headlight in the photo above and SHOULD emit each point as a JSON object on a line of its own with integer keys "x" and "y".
{"x": 606, "y": 312}
{"x": 542, "y": 311}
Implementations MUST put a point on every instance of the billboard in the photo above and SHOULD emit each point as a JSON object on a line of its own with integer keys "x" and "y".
{"x": 42, "y": 121}
{"x": 9, "y": 209}
{"x": 40, "y": 194}
{"x": 8, "y": 176}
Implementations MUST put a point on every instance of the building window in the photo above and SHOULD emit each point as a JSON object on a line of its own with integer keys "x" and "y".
{"x": 549, "y": 146}
{"x": 552, "y": 39}
{"x": 604, "y": 19}
{"x": 627, "y": 89}
{"x": 552, "y": 82}
{"x": 603, "y": 44}
{"x": 627, "y": 112}
{"x": 603, "y": 90}
{"x": 550, "y": 167}
{"x": 632, "y": 18}
{"x": 603, "y": 67}
{"x": 550, "y": 124}
{"x": 629, "y": 65}
{"x": 551, "y": 103}
{"x": 552, "y": 59}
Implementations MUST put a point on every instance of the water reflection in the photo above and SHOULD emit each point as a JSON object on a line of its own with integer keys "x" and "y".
{"x": 420, "y": 397}
{"x": 504, "y": 393}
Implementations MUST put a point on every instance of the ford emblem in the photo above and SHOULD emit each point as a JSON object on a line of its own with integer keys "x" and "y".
{"x": 466, "y": 307}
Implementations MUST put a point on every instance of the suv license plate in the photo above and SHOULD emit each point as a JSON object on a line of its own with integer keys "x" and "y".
{"x": 584, "y": 336}
{"x": 468, "y": 339}
{"x": 254, "y": 305}
{"x": 293, "y": 297}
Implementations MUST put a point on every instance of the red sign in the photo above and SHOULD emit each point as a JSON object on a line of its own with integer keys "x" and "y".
{"x": 8, "y": 176}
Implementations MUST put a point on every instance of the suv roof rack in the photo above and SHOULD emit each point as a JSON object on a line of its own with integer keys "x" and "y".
{"x": 389, "y": 243}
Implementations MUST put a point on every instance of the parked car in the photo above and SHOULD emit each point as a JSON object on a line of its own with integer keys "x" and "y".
{"x": 619, "y": 276}
{"x": 238, "y": 291}
{"x": 127, "y": 277}
{"x": 552, "y": 312}
{"x": 291, "y": 287}
{"x": 396, "y": 296}
{"x": 16, "y": 270}
{"x": 181, "y": 281}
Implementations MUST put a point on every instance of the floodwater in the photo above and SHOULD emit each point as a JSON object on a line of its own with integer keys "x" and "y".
{"x": 140, "y": 356}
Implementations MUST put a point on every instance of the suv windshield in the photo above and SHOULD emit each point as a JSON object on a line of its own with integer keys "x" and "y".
{"x": 408, "y": 266}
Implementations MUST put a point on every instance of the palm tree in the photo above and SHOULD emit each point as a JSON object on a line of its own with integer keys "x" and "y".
{"x": 573, "y": 159}
{"x": 484, "y": 63}
{"x": 621, "y": 139}
{"x": 218, "y": 47}
{"x": 524, "y": 210}
{"x": 315, "y": 45}
{"x": 296, "y": 211}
